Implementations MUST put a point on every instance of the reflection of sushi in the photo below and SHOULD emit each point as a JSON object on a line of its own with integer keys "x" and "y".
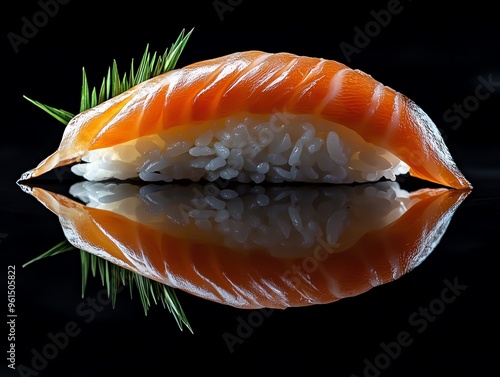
{"x": 252, "y": 247}
{"x": 255, "y": 116}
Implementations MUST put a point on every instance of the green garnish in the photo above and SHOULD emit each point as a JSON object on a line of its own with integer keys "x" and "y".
{"x": 114, "y": 276}
{"x": 112, "y": 84}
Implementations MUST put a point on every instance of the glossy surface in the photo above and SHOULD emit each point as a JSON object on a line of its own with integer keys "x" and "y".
{"x": 164, "y": 244}
{"x": 260, "y": 83}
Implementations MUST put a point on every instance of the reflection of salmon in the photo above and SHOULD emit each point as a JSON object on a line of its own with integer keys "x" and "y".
{"x": 258, "y": 279}
{"x": 259, "y": 84}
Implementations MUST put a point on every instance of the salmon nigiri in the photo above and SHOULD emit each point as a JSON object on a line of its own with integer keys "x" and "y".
{"x": 254, "y": 246}
{"x": 252, "y": 117}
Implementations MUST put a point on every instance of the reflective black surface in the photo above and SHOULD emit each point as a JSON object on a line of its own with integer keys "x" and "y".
{"x": 440, "y": 319}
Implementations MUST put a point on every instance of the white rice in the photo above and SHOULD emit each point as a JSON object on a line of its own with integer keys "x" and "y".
{"x": 283, "y": 221}
{"x": 247, "y": 149}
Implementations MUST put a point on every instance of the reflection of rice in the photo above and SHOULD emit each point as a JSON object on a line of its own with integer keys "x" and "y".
{"x": 247, "y": 149}
{"x": 285, "y": 221}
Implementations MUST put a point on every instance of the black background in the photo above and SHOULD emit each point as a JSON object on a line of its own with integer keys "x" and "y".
{"x": 434, "y": 55}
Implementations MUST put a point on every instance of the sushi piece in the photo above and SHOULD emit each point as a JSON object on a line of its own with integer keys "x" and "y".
{"x": 251, "y": 246}
{"x": 253, "y": 117}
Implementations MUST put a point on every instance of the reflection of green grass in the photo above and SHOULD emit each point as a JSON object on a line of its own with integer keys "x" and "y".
{"x": 113, "y": 277}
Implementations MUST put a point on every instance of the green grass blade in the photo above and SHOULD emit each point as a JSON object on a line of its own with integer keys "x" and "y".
{"x": 123, "y": 276}
{"x": 106, "y": 273}
{"x": 141, "y": 74}
{"x": 62, "y": 116}
{"x": 101, "y": 264}
{"x": 170, "y": 300}
{"x": 124, "y": 83}
{"x": 115, "y": 80}
{"x": 85, "y": 260}
{"x": 93, "y": 264}
{"x": 85, "y": 95}
{"x": 131, "y": 72}
{"x": 108, "y": 85}
{"x": 93, "y": 98}
{"x": 175, "y": 51}
{"x": 152, "y": 292}
{"x": 115, "y": 283}
{"x": 61, "y": 247}
{"x": 102, "y": 92}
{"x": 152, "y": 64}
